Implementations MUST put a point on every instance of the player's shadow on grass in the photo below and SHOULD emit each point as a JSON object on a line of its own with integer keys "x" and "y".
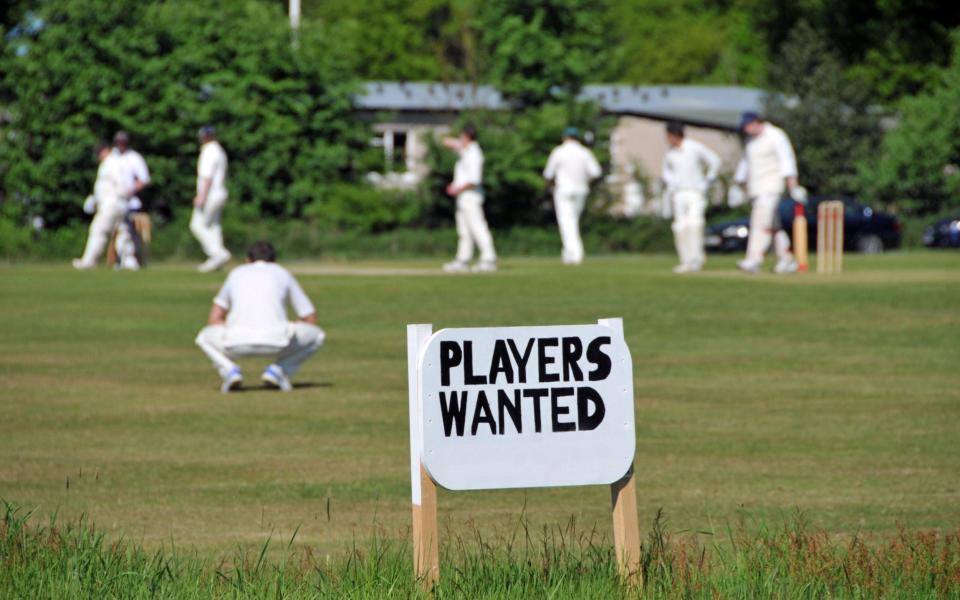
{"x": 304, "y": 385}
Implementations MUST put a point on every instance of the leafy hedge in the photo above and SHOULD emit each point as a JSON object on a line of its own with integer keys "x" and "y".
{"x": 160, "y": 70}
{"x": 306, "y": 239}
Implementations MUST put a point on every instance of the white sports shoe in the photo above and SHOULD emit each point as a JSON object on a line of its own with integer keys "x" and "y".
{"x": 748, "y": 267}
{"x": 232, "y": 381}
{"x": 687, "y": 268}
{"x": 130, "y": 264}
{"x": 214, "y": 262}
{"x": 79, "y": 265}
{"x": 274, "y": 377}
{"x": 484, "y": 266}
{"x": 786, "y": 266}
{"x": 456, "y": 266}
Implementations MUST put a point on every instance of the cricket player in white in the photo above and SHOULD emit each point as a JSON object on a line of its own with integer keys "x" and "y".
{"x": 571, "y": 167}
{"x": 689, "y": 168}
{"x": 136, "y": 177}
{"x": 467, "y": 188}
{"x": 209, "y": 201}
{"x": 109, "y": 201}
{"x": 768, "y": 167}
{"x": 249, "y": 318}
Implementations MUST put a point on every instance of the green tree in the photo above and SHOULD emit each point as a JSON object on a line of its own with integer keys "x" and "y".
{"x": 892, "y": 47}
{"x": 917, "y": 167}
{"x": 830, "y": 117}
{"x": 683, "y": 41}
{"x": 160, "y": 70}
{"x": 407, "y": 40}
{"x": 543, "y": 51}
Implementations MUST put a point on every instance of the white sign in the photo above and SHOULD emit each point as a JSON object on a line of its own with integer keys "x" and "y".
{"x": 525, "y": 406}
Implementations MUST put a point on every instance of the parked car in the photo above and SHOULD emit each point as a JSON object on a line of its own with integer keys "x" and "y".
{"x": 865, "y": 230}
{"x": 943, "y": 234}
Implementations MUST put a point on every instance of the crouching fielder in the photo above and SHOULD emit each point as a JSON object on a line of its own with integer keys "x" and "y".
{"x": 688, "y": 170}
{"x": 249, "y": 318}
{"x": 768, "y": 167}
{"x": 109, "y": 201}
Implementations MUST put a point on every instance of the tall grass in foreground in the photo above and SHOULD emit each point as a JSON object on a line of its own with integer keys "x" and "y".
{"x": 75, "y": 561}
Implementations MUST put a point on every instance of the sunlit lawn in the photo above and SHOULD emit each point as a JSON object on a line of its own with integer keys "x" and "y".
{"x": 755, "y": 396}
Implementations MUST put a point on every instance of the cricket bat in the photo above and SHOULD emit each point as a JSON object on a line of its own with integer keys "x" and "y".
{"x": 800, "y": 237}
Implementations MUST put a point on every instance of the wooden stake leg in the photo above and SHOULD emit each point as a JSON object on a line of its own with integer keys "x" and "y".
{"x": 626, "y": 528}
{"x": 426, "y": 554}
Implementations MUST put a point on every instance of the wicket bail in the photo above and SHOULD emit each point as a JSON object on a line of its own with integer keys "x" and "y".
{"x": 830, "y": 237}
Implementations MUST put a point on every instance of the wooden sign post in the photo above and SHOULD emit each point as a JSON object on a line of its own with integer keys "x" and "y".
{"x": 512, "y": 407}
{"x": 426, "y": 553}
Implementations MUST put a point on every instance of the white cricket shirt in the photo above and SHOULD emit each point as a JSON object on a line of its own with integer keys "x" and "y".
{"x": 768, "y": 159}
{"x": 134, "y": 168}
{"x": 255, "y": 296}
{"x": 212, "y": 165}
{"x": 572, "y": 166}
{"x": 691, "y": 166}
{"x": 109, "y": 186}
{"x": 469, "y": 167}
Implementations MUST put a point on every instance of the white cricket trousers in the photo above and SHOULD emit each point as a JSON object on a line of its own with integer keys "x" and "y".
{"x": 569, "y": 207}
{"x": 472, "y": 228}
{"x": 109, "y": 219}
{"x": 689, "y": 207}
{"x": 764, "y": 226}
{"x": 205, "y": 225}
{"x": 305, "y": 339}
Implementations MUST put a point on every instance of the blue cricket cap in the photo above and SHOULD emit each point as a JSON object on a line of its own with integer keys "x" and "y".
{"x": 748, "y": 117}
{"x": 571, "y": 132}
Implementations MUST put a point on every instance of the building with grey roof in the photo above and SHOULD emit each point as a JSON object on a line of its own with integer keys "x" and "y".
{"x": 406, "y": 113}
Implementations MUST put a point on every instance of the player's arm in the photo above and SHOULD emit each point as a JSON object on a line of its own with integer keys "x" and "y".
{"x": 142, "y": 175}
{"x": 666, "y": 174}
{"x": 550, "y": 171}
{"x": 139, "y": 184}
{"x": 456, "y": 190}
{"x": 713, "y": 162}
{"x": 218, "y": 315}
{"x": 301, "y": 303}
{"x": 205, "y": 174}
{"x": 201, "y": 198}
{"x": 594, "y": 170}
{"x": 221, "y": 304}
{"x": 452, "y": 143}
{"x": 740, "y": 175}
{"x": 474, "y": 167}
{"x": 787, "y": 160}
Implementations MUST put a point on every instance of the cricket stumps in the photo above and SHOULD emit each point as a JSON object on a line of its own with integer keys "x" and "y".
{"x": 830, "y": 237}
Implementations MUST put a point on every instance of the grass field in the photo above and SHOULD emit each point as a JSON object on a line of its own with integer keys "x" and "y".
{"x": 755, "y": 396}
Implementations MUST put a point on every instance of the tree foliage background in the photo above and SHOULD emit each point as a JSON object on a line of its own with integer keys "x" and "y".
{"x": 72, "y": 71}
{"x": 917, "y": 166}
{"x": 160, "y": 71}
{"x": 832, "y": 119}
